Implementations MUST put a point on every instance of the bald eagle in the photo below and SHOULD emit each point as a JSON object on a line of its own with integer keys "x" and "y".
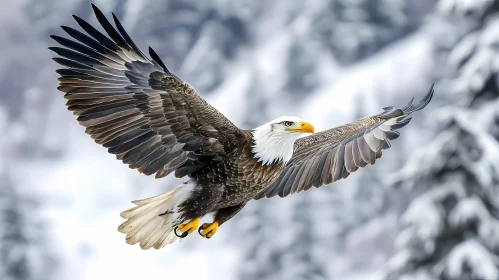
{"x": 155, "y": 122}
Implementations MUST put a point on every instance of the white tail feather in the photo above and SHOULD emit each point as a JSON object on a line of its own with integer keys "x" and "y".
{"x": 152, "y": 222}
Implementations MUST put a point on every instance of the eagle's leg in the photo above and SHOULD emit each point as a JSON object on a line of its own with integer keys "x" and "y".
{"x": 201, "y": 201}
{"x": 189, "y": 227}
{"x": 207, "y": 230}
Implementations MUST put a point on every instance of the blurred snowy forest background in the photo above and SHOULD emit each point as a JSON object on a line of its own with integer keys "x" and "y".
{"x": 429, "y": 209}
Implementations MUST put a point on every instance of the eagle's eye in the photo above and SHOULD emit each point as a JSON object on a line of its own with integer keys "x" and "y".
{"x": 288, "y": 123}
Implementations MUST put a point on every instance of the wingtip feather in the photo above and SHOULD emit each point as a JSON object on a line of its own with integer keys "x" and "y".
{"x": 96, "y": 10}
{"x": 424, "y": 101}
{"x": 156, "y": 58}
{"x": 77, "y": 18}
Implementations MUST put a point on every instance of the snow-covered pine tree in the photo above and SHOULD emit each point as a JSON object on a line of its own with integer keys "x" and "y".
{"x": 361, "y": 28}
{"x": 286, "y": 253}
{"x": 23, "y": 255}
{"x": 197, "y": 39}
{"x": 25, "y": 251}
{"x": 452, "y": 228}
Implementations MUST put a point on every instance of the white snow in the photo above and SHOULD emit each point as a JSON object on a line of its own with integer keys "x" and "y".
{"x": 473, "y": 255}
{"x": 461, "y": 7}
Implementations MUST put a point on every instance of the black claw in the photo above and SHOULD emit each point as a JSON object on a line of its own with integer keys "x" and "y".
{"x": 207, "y": 237}
{"x": 184, "y": 234}
{"x": 199, "y": 230}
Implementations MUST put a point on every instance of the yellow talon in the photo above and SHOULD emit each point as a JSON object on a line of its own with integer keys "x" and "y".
{"x": 190, "y": 227}
{"x": 208, "y": 230}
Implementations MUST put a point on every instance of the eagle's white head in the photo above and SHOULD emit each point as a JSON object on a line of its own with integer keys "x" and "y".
{"x": 274, "y": 140}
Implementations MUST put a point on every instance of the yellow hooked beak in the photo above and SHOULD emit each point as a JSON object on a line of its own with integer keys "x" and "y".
{"x": 303, "y": 127}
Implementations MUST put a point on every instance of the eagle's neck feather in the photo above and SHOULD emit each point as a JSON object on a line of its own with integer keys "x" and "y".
{"x": 272, "y": 146}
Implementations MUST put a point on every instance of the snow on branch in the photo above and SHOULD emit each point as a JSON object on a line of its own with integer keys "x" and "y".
{"x": 472, "y": 259}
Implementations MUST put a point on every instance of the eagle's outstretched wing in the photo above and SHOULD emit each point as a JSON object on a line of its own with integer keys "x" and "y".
{"x": 333, "y": 154}
{"x": 145, "y": 115}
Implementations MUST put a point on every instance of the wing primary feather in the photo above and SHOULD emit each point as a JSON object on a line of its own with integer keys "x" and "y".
{"x": 371, "y": 140}
{"x": 316, "y": 180}
{"x": 69, "y": 73}
{"x": 136, "y": 154}
{"x": 345, "y": 173}
{"x": 400, "y": 124}
{"x": 326, "y": 172}
{"x": 156, "y": 58}
{"x": 289, "y": 183}
{"x": 84, "y": 78}
{"x": 158, "y": 163}
{"x": 270, "y": 191}
{"x": 349, "y": 160}
{"x": 96, "y": 113}
{"x": 90, "y": 42}
{"x": 154, "y": 161}
{"x": 121, "y": 140}
{"x": 104, "y": 107}
{"x": 127, "y": 37}
{"x": 109, "y": 28}
{"x": 299, "y": 178}
{"x": 281, "y": 188}
{"x": 172, "y": 155}
{"x": 275, "y": 187}
{"x": 409, "y": 105}
{"x": 260, "y": 195}
{"x": 339, "y": 162}
{"x": 392, "y": 135}
{"x": 308, "y": 174}
{"x": 103, "y": 135}
{"x": 148, "y": 157}
{"x": 365, "y": 151}
{"x": 357, "y": 157}
{"x": 81, "y": 58}
{"x": 132, "y": 139}
{"x": 391, "y": 114}
{"x": 111, "y": 71}
{"x": 379, "y": 133}
{"x": 71, "y": 64}
{"x": 96, "y": 34}
{"x": 96, "y": 73}
{"x": 423, "y": 102}
{"x": 385, "y": 144}
{"x": 109, "y": 91}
